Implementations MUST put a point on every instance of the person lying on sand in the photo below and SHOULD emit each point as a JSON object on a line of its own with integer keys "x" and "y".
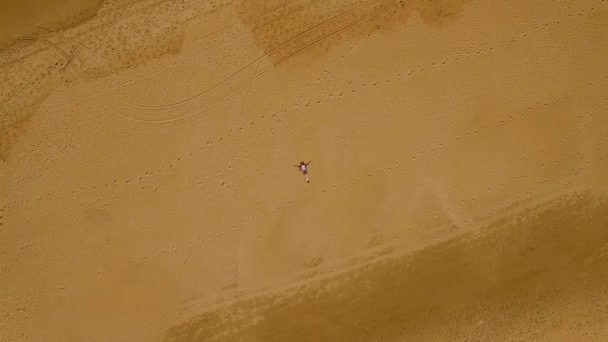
{"x": 304, "y": 168}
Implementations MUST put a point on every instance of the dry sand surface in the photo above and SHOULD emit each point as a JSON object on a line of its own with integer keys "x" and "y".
{"x": 459, "y": 175}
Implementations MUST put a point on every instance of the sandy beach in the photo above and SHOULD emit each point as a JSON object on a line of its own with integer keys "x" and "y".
{"x": 458, "y": 178}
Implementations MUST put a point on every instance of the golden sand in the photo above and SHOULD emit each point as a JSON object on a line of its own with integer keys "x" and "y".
{"x": 459, "y": 174}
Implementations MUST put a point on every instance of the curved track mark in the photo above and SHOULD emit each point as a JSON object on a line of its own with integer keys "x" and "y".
{"x": 240, "y": 71}
{"x": 264, "y": 71}
{"x": 237, "y": 88}
{"x": 239, "y": 117}
{"x": 276, "y": 27}
{"x": 110, "y": 22}
{"x": 182, "y": 61}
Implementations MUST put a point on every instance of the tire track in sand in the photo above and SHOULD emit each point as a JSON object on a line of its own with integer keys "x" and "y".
{"x": 152, "y": 115}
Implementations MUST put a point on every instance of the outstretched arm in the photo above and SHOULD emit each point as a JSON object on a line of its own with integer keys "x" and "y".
{"x": 307, "y": 163}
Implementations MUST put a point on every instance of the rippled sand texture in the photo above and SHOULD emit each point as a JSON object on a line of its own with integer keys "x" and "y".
{"x": 459, "y": 176}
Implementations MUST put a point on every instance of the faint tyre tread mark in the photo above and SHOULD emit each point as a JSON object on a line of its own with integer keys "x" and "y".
{"x": 15, "y": 47}
{"x": 275, "y": 29}
{"x": 233, "y": 75}
{"x": 264, "y": 71}
{"x": 219, "y": 188}
{"x": 78, "y": 75}
{"x": 258, "y": 75}
{"x": 202, "y": 38}
{"x": 236, "y": 129}
{"x": 112, "y": 11}
{"x": 111, "y": 22}
{"x": 238, "y": 120}
{"x": 111, "y": 94}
